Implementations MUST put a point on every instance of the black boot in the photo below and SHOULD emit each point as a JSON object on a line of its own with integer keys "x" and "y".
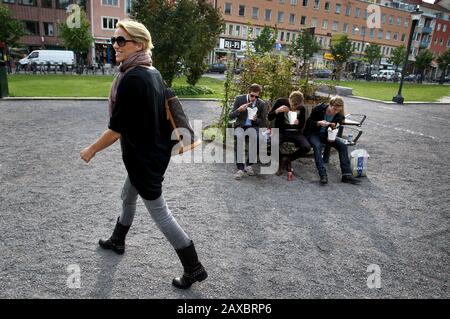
{"x": 117, "y": 240}
{"x": 193, "y": 269}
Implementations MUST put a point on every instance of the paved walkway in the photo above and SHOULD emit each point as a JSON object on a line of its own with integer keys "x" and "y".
{"x": 262, "y": 237}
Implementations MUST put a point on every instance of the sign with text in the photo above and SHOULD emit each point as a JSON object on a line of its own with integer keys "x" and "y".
{"x": 230, "y": 44}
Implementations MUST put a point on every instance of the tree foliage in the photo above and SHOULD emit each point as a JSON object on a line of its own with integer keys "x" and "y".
{"x": 373, "y": 53}
{"x": 11, "y": 30}
{"x": 77, "y": 39}
{"x": 398, "y": 56}
{"x": 184, "y": 32}
{"x": 304, "y": 49}
{"x": 265, "y": 41}
{"x": 341, "y": 49}
{"x": 423, "y": 61}
{"x": 443, "y": 61}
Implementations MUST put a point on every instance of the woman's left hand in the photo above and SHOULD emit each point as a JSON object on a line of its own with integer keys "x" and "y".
{"x": 87, "y": 154}
{"x": 296, "y": 122}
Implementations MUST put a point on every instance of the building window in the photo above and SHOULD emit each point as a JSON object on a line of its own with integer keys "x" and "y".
{"x": 257, "y": 31}
{"x": 335, "y": 25}
{"x": 128, "y": 7}
{"x": 49, "y": 30}
{"x": 45, "y": 3}
{"x": 406, "y": 23}
{"x": 338, "y": 8}
{"x": 441, "y": 42}
{"x": 388, "y": 35}
{"x": 293, "y": 3}
{"x": 348, "y": 10}
{"x": 281, "y": 1}
{"x": 316, "y": 4}
{"x": 383, "y": 18}
{"x": 399, "y": 21}
{"x": 380, "y": 34}
{"x": 110, "y": 3}
{"x": 305, "y": 3}
{"x": 244, "y": 31}
{"x": 255, "y": 13}
{"x": 227, "y": 9}
{"x": 292, "y": 18}
{"x": 32, "y": 27}
{"x": 303, "y": 20}
{"x": 325, "y": 24}
{"x": 396, "y": 36}
{"x": 345, "y": 28}
{"x": 28, "y": 2}
{"x": 366, "y": 14}
{"x": 288, "y": 36}
{"x": 438, "y": 28}
{"x": 230, "y": 29}
{"x": 282, "y": 36}
{"x": 314, "y": 22}
{"x": 403, "y": 37}
{"x": 62, "y": 4}
{"x": 448, "y": 43}
{"x": 268, "y": 15}
{"x": 280, "y": 17}
{"x": 357, "y": 12}
{"x": 444, "y": 28}
{"x": 237, "y": 30}
{"x": 391, "y": 19}
{"x": 372, "y": 33}
{"x": 327, "y": 6}
{"x": 241, "y": 10}
{"x": 354, "y": 29}
{"x": 109, "y": 23}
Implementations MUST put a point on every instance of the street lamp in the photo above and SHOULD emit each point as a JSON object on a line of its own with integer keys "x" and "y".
{"x": 415, "y": 17}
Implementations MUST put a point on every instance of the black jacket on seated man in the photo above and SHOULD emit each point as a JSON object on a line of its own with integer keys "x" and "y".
{"x": 242, "y": 117}
{"x": 317, "y": 115}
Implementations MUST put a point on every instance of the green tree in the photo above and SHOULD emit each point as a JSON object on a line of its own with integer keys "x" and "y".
{"x": 184, "y": 31}
{"x": 443, "y": 61}
{"x": 373, "y": 54}
{"x": 78, "y": 39}
{"x": 11, "y": 30}
{"x": 304, "y": 48}
{"x": 423, "y": 61}
{"x": 398, "y": 56}
{"x": 341, "y": 49}
{"x": 266, "y": 40}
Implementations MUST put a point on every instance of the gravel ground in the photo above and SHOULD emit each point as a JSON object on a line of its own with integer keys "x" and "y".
{"x": 262, "y": 237}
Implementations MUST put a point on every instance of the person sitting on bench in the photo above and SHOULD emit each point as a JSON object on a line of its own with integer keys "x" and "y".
{"x": 324, "y": 116}
{"x": 289, "y": 116}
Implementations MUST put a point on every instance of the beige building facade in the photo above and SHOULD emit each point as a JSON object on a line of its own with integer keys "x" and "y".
{"x": 244, "y": 20}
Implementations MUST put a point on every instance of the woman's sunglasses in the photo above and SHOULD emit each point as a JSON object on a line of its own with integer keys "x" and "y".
{"x": 121, "y": 41}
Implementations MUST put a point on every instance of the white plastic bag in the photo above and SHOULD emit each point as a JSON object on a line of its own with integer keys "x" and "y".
{"x": 359, "y": 162}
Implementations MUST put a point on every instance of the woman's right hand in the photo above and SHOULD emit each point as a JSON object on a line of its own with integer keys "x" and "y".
{"x": 87, "y": 154}
{"x": 282, "y": 109}
{"x": 323, "y": 123}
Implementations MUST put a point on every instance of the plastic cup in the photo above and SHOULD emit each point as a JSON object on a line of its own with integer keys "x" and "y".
{"x": 292, "y": 116}
{"x": 332, "y": 134}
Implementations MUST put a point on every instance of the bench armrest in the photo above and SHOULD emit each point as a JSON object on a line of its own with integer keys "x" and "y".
{"x": 349, "y": 121}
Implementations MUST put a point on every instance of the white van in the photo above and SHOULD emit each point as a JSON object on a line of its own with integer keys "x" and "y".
{"x": 385, "y": 75}
{"x": 52, "y": 56}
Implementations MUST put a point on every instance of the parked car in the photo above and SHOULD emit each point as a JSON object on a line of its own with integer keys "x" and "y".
{"x": 237, "y": 70}
{"x": 385, "y": 75}
{"x": 217, "y": 67}
{"x": 325, "y": 73}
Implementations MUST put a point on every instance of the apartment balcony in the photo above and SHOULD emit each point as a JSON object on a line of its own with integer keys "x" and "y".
{"x": 424, "y": 44}
{"x": 426, "y": 30}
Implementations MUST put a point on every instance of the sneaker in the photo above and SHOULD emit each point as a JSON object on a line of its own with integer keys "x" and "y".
{"x": 250, "y": 171}
{"x": 238, "y": 175}
{"x": 324, "y": 179}
{"x": 350, "y": 179}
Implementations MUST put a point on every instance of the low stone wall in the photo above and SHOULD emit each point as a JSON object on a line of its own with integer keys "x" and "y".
{"x": 339, "y": 90}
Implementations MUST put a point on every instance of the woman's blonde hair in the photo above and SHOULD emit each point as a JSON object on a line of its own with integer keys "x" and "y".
{"x": 138, "y": 33}
{"x": 296, "y": 98}
{"x": 337, "y": 101}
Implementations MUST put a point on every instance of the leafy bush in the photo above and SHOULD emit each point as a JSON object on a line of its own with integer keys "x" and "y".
{"x": 192, "y": 90}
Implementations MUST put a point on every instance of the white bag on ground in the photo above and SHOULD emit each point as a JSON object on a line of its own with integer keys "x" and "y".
{"x": 359, "y": 162}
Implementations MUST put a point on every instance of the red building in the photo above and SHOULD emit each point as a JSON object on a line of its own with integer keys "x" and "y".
{"x": 441, "y": 36}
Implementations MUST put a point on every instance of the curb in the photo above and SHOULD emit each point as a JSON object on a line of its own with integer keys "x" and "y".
{"x": 393, "y": 103}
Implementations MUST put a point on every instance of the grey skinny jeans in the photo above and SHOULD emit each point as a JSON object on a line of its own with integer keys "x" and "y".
{"x": 159, "y": 212}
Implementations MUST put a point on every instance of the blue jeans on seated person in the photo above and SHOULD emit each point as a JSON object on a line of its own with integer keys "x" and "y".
{"x": 316, "y": 141}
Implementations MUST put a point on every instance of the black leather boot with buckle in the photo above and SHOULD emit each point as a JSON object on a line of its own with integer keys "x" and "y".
{"x": 117, "y": 240}
{"x": 193, "y": 269}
